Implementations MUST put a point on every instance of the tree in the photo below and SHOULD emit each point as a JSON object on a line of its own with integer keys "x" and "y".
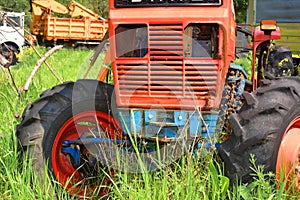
{"x": 98, "y": 6}
{"x": 240, "y": 7}
{"x": 17, "y": 6}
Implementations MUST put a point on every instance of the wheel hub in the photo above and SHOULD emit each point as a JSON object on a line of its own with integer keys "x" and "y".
{"x": 73, "y": 165}
{"x": 74, "y": 147}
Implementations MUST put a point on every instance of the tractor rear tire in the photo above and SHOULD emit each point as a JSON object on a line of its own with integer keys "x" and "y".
{"x": 265, "y": 120}
{"x": 65, "y": 112}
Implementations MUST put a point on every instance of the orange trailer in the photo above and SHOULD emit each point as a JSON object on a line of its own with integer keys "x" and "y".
{"x": 81, "y": 26}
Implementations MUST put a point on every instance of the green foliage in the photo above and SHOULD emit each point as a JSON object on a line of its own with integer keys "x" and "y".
{"x": 263, "y": 186}
{"x": 246, "y": 63}
{"x": 98, "y": 6}
{"x": 240, "y": 7}
{"x": 186, "y": 179}
{"x": 17, "y": 182}
{"x": 17, "y": 6}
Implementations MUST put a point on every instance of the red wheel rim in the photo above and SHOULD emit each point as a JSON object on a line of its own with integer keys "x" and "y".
{"x": 288, "y": 161}
{"x": 64, "y": 171}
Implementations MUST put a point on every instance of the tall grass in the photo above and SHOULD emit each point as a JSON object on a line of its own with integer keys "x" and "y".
{"x": 15, "y": 182}
{"x": 189, "y": 178}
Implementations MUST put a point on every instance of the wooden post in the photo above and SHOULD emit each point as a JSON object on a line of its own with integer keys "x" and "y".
{"x": 37, "y": 66}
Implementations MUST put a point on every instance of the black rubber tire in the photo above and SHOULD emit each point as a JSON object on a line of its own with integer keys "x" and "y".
{"x": 259, "y": 127}
{"x": 42, "y": 119}
{"x": 9, "y": 52}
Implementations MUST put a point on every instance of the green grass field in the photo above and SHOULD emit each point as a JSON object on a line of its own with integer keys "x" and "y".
{"x": 189, "y": 178}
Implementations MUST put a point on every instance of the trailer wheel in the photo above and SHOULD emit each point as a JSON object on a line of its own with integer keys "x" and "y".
{"x": 9, "y": 52}
{"x": 67, "y": 112}
{"x": 267, "y": 127}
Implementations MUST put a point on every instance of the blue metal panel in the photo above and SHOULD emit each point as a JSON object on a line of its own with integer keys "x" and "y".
{"x": 238, "y": 67}
{"x": 286, "y": 11}
{"x": 180, "y": 118}
{"x": 169, "y": 124}
{"x": 195, "y": 124}
{"x": 150, "y": 116}
{"x": 125, "y": 122}
{"x": 137, "y": 122}
{"x": 164, "y": 127}
{"x": 208, "y": 129}
{"x": 131, "y": 121}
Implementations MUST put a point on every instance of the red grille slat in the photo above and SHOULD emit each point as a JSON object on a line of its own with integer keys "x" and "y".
{"x": 129, "y": 93}
{"x": 165, "y": 27}
{"x": 163, "y": 32}
{"x": 197, "y": 78}
{"x": 139, "y": 87}
{"x": 131, "y": 73}
{"x": 160, "y": 43}
{"x": 166, "y": 63}
{"x": 165, "y": 57}
{"x": 169, "y": 48}
{"x": 170, "y": 78}
{"x": 166, "y": 52}
{"x": 206, "y": 74}
{"x": 128, "y": 67}
{"x": 166, "y": 72}
{"x": 139, "y": 82}
{"x": 161, "y": 38}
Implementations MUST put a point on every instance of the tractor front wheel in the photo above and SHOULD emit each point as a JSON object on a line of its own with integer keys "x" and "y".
{"x": 65, "y": 113}
{"x": 267, "y": 127}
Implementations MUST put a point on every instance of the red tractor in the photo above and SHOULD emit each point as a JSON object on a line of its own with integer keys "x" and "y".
{"x": 174, "y": 89}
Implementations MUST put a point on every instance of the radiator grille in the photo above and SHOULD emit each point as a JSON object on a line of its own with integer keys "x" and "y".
{"x": 164, "y": 73}
{"x": 166, "y": 59}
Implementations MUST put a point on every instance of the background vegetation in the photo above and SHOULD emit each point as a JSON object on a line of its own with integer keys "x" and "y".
{"x": 240, "y": 10}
